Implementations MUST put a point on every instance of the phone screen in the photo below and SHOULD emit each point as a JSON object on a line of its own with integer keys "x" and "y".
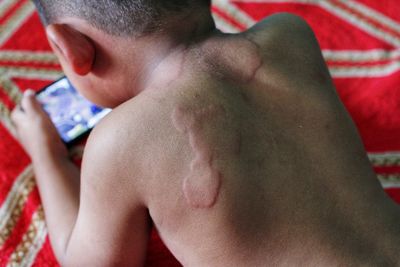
{"x": 71, "y": 113}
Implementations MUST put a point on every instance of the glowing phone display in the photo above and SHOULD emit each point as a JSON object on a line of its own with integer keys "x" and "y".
{"x": 71, "y": 113}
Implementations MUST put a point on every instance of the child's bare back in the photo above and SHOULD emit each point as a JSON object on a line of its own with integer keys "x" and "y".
{"x": 238, "y": 151}
{"x": 236, "y": 160}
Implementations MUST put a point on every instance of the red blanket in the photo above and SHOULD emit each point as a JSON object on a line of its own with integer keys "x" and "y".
{"x": 360, "y": 42}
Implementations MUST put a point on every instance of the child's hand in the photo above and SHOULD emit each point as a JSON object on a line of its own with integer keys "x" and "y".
{"x": 36, "y": 131}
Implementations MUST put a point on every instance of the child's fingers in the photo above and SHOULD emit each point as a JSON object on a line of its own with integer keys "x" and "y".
{"x": 30, "y": 104}
{"x": 17, "y": 115}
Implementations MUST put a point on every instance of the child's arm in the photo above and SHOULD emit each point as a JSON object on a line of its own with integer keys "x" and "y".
{"x": 97, "y": 229}
{"x": 57, "y": 177}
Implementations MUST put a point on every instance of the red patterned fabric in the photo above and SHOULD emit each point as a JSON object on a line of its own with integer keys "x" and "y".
{"x": 360, "y": 40}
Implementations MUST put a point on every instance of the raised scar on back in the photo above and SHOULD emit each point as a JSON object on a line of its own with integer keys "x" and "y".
{"x": 201, "y": 186}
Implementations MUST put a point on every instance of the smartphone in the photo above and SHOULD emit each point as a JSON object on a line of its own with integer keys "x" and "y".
{"x": 72, "y": 114}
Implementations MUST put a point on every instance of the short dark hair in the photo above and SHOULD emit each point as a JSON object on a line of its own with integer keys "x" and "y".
{"x": 118, "y": 17}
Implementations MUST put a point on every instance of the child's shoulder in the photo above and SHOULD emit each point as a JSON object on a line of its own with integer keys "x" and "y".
{"x": 284, "y": 35}
{"x": 133, "y": 129}
{"x": 291, "y": 53}
{"x": 119, "y": 147}
{"x": 130, "y": 125}
{"x": 281, "y": 26}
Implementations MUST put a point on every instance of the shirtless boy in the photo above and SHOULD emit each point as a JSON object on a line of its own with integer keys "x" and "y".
{"x": 235, "y": 146}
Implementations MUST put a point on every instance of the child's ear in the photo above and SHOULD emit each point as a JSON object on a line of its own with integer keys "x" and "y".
{"x": 74, "y": 49}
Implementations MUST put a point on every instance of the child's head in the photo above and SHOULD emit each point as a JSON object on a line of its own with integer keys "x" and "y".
{"x": 119, "y": 17}
{"x": 105, "y": 47}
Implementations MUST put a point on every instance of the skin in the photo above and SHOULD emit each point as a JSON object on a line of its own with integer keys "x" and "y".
{"x": 236, "y": 160}
{"x": 202, "y": 185}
